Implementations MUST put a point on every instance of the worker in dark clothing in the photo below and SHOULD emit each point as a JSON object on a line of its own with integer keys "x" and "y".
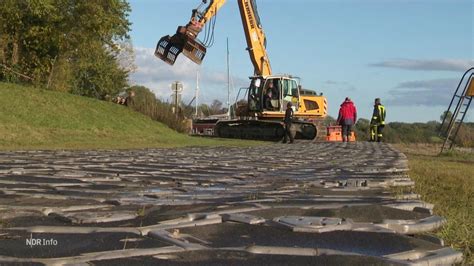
{"x": 377, "y": 123}
{"x": 267, "y": 100}
{"x": 275, "y": 94}
{"x": 347, "y": 118}
{"x": 288, "y": 121}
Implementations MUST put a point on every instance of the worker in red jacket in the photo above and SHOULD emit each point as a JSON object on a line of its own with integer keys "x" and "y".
{"x": 347, "y": 118}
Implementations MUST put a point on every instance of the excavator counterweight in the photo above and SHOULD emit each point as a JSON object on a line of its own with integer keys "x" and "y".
{"x": 168, "y": 48}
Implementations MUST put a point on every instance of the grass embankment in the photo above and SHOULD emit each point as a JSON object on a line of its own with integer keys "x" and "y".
{"x": 448, "y": 182}
{"x": 31, "y": 118}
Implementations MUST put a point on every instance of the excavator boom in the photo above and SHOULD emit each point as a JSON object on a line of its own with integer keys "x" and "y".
{"x": 256, "y": 40}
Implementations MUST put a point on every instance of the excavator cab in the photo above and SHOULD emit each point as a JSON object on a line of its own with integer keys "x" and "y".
{"x": 285, "y": 89}
{"x": 255, "y": 94}
{"x": 168, "y": 48}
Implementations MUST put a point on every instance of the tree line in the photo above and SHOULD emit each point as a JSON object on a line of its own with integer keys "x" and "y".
{"x": 82, "y": 47}
{"x": 146, "y": 102}
{"x": 400, "y": 132}
{"x": 429, "y": 132}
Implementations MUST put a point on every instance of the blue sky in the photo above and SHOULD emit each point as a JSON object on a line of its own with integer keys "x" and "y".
{"x": 409, "y": 53}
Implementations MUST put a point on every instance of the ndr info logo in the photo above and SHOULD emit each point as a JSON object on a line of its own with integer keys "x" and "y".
{"x": 41, "y": 242}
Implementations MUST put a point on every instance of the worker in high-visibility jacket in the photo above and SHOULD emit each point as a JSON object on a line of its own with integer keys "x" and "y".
{"x": 377, "y": 123}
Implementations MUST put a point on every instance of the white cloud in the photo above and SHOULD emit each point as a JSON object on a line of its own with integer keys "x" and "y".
{"x": 342, "y": 86}
{"x": 334, "y": 82}
{"x": 427, "y": 65}
{"x": 434, "y": 84}
{"x": 158, "y": 76}
{"x": 435, "y": 92}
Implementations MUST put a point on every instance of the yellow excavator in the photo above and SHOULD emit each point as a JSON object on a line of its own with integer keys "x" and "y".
{"x": 263, "y": 113}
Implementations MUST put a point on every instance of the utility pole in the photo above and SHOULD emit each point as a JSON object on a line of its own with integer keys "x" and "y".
{"x": 197, "y": 93}
{"x": 228, "y": 80}
{"x": 177, "y": 88}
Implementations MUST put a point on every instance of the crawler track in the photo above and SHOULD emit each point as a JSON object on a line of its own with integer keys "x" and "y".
{"x": 263, "y": 130}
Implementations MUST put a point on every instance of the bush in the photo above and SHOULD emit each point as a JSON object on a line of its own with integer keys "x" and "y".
{"x": 361, "y": 129}
{"x": 397, "y": 132}
{"x": 465, "y": 137}
{"x": 145, "y": 102}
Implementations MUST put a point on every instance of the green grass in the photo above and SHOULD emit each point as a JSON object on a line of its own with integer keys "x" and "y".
{"x": 448, "y": 182}
{"x": 32, "y": 118}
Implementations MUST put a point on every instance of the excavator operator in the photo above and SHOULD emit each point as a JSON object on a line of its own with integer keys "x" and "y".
{"x": 267, "y": 99}
{"x": 274, "y": 91}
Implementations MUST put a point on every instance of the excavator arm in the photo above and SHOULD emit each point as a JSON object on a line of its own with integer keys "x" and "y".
{"x": 256, "y": 40}
{"x": 185, "y": 40}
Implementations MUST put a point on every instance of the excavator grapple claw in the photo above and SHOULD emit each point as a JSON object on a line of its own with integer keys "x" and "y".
{"x": 167, "y": 51}
{"x": 168, "y": 48}
{"x": 194, "y": 50}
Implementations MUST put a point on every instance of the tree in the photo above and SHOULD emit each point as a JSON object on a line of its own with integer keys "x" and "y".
{"x": 446, "y": 114}
{"x": 216, "y": 107}
{"x": 205, "y": 110}
{"x": 363, "y": 124}
{"x": 362, "y": 128}
{"x": 445, "y": 117}
{"x": 98, "y": 75}
{"x": 126, "y": 56}
{"x": 65, "y": 45}
{"x": 329, "y": 120}
{"x": 144, "y": 101}
{"x": 28, "y": 42}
